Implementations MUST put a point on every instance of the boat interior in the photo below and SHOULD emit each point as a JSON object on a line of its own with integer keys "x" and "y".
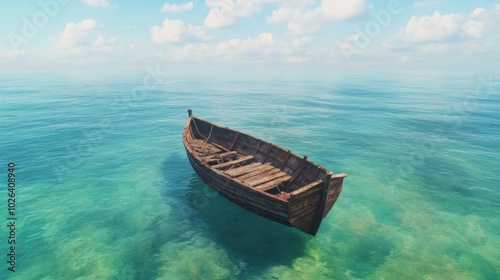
{"x": 251, "y": 161}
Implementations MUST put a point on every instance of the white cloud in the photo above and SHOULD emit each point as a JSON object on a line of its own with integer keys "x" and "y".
{"x": 305, "y": 16}
{"x": 435, "y": 28}
{"x": 299, "y": 42}
{"x": 194, "y": 52}
{"x": 75, "y": 34}
{"x": 84, "y": 37}
{"x": 97, "y": 3}
{"x": 262, "y": 45}
{"x": 175, "y": 31}
{"x": 171, "y": 31}
{"x": 343, "y": 9}
{"x": 224, "y": 12}
{"x": 450, "y": 34}
{"x": 474, "y": 29}
{"x": 173, "y": 8}
{"x": 217, "y": 18}
{"x": 299, "y": 28}
{"x": 15, "y": 53}
{"x": 439, "y": 28}
{"x": 301, "y": 16}
{"x": 200, "y": 32}
{"x": 292, "y": 10}
{"x": 264, "y": 48}
{"x": 480, "y": 13}
{"x": 435, "y": 48}
{"x": 482, "y": 20}
{"x": 101, "y": 44}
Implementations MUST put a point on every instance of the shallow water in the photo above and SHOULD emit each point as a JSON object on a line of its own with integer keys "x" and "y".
{"x": 105, "y": 191}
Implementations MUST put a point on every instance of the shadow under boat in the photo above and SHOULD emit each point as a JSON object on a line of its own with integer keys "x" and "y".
{"x": 259, "y": 242}
{"x": 244, "y": 234}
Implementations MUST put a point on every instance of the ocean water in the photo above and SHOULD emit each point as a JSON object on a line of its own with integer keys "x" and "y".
{"x": 104, "y": 189}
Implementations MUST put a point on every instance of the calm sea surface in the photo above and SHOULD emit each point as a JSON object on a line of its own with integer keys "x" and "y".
{"x": 104, "y": 189}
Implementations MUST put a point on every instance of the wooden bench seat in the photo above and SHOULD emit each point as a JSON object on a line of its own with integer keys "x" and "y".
{"x": 230, "y": 163}
{"x": 273, "y": 183}
{"x": 261, "y": 169}
{"x": 268, "y": 177}
{"x": 213, "y": 157}
{"x": 243, "y": 169}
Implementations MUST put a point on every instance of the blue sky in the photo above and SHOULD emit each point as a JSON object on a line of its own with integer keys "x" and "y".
{"x": 302, "y": 34}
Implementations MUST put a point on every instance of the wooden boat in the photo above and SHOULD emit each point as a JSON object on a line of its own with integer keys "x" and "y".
{"x": 261, "y": 177}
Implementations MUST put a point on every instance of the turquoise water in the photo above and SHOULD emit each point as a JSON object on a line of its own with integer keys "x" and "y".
{"x": 105, "y": 191}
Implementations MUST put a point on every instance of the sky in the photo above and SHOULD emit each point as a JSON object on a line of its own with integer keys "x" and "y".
{"x": 374, "y": 35}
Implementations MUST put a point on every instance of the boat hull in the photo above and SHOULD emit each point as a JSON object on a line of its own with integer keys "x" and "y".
{"x": 255, "y": 202}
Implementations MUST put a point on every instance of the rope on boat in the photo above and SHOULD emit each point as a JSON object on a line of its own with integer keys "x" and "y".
{"x": 194, "y": 121}
{"x": 210, "y": 134}
{"x": 278, "y": 187}
{"x": 204, "y": 150}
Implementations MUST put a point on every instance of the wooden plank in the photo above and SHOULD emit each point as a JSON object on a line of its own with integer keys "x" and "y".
{"x": 271, "y": 184}
{"x": 242, "y": 194}
{"x": 248, "y": 170}
{"x": 305, "y": 209}
{"x": 243, "y": 169}
{"x": 261, "y": 169}
{"x": 268, "y": 177}
{"x": 299, "y": 192}
{"x": 201, "y": 144}
{"x": 218, "y": 156}
{"x": 229, "y": 163}
{"x": 220, "y": 147}
{"x": 262, "y": 175}
{"x": 226, "y": 153}
{"x": 275, "y": 212}
{"x": 205, "y": 152}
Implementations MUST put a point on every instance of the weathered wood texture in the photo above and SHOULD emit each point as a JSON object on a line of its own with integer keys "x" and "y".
{"x": 262, "y": 177}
